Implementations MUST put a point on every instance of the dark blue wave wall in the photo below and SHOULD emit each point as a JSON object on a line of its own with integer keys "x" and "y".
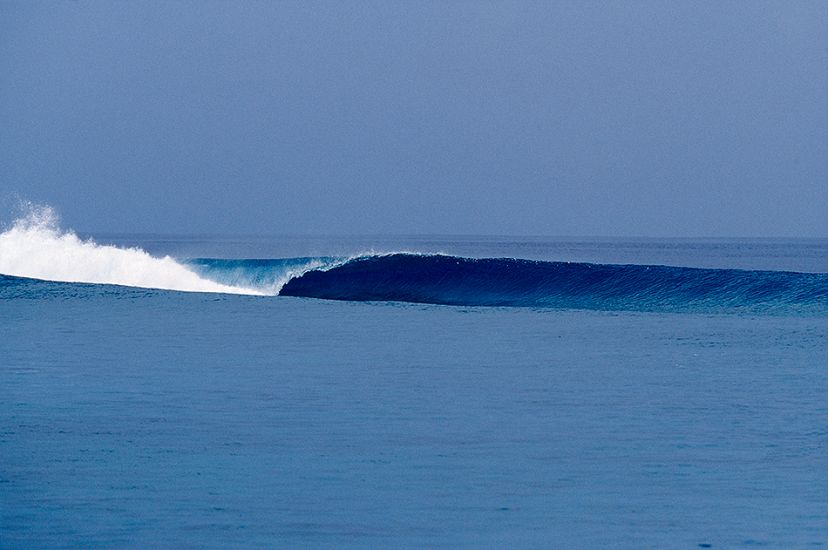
{"x": 512, "y": 282}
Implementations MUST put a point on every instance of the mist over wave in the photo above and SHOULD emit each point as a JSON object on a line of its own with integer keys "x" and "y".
{"x": 35, "y": 247}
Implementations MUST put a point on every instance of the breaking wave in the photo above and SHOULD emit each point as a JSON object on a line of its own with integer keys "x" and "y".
{"x": 35, "y": 247}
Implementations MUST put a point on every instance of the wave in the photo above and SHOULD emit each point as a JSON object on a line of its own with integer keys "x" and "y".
{"x": 34, "y": 247}
{"x": 450, "y": 280}
{"x": 457, "y": 281}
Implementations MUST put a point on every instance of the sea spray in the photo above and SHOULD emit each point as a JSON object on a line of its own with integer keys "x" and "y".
{"x": 35, "y": 247}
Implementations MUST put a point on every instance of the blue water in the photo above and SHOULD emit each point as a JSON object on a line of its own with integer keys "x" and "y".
{"x": 647, "y": 394}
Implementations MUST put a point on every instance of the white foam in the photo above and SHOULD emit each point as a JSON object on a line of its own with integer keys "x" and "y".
{"x": 35, "y": 247}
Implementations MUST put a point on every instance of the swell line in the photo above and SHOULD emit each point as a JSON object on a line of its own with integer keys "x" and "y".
{"x": 450, "y": 280}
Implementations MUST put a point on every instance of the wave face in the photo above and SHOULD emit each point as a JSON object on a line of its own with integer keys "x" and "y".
{"x": 449, "y": 280}
{"x": 34, "y": 247}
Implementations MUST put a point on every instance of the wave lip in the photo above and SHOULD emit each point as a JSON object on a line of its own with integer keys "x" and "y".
{"x": 450, "y": 280}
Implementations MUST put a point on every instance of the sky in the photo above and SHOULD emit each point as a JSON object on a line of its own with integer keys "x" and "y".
{"x": 576, "y": 118}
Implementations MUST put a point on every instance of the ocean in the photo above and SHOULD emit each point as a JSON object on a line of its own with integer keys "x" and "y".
{"x": 412, "y": 392}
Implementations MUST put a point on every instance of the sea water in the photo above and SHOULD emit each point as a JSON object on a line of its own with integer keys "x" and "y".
{"x": 621, "y": 414}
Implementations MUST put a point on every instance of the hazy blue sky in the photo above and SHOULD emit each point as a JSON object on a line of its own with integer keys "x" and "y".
{"x": 552, "y": 118}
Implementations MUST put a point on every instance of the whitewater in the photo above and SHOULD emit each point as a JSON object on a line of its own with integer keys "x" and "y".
{"x": 35, "y": 247}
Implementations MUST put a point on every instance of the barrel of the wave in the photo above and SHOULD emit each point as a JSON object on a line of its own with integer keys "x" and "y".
{"x": 265, "y": 275}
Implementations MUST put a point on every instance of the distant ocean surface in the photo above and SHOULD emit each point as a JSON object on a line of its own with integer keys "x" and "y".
{"x": 410, "y": 392}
